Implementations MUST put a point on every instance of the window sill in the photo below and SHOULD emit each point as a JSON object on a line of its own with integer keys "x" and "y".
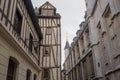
{"x": 116, "y": 56}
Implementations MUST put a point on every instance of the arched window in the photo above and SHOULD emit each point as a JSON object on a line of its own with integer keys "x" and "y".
{"x": 28, "y": 75}
{"x": 46, "y": 74}
{"x": 35, "y": 77}
{"x": 12, "y": 69}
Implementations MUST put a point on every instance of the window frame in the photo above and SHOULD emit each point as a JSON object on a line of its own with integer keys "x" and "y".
{"x": 14, "y": 66}
{"x": 48, "y": 52}
{"x": 31, "y": 42}
{"x": 28, "y": 74}
{"x": 44, "y": 74}
{"x": 35, "y": 77}
{"x": 18, "y": 29}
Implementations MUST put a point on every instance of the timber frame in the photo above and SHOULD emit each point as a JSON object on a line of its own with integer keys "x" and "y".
{"x": 50, "y": 25}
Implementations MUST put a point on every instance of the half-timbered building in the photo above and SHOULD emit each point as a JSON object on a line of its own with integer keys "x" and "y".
{"x": 50, "y": 51}
{"x": 20, "y": 37}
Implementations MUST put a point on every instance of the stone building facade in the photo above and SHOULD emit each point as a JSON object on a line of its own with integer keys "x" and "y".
{"x": 20, "y": 37}
{"x": 95, "y": 51}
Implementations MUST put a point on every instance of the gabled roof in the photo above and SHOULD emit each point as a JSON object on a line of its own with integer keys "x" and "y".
{"x": 47, "y": 5}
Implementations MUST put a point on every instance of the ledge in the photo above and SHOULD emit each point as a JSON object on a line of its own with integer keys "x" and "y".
{"x": 98, "y": 77}
{"x": 17, "y": 43}
{"x": 92, "y": 45}
{"x": 116, "y": 56}
{"x": 115, "y": 15}
{"x": 117, "y": 68}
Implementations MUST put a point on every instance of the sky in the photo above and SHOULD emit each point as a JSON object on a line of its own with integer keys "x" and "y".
{"x": 72, "y": 14}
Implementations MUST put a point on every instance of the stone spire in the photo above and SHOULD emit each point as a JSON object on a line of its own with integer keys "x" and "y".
{"x": 67, "y": 47}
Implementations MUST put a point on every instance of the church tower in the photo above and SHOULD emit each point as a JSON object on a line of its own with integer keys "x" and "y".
{"x": 50, "y": 52}
{"x": 66, "y": 48}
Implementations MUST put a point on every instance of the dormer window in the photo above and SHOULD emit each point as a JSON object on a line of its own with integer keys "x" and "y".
{"x": 18, "y": 22}
{"x": 47, "y": 9}
{"x": 46, "y": 12}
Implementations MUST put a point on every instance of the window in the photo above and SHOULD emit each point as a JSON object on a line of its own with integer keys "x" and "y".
{"x": 107, "y": 16}
{"x": 99, "y": 32}
{"x": 30, "y": 42}
{"x": 18, "y": 22}
{"x": 47, "y": 51}
{"x": 12, "y": 68}
{"x": 36, "y": 46}
{"x": 85, "y": 69}
{"x": 35, "y": 77}
{"x": 109, "y": 24}
{"x": 87, "y": 37}
{"x": 78, "y": 51}
{"x": 36, "y": 49}
{"x": 48, "y": 31}
{"x": 107, "y": 78}
{"x": 46, "y": 74}
{"x": 91, "y": 65}
{"x": 47, "y": 12}
{"x": 28, "y": 75}
{"x": 111, "y": 30}
{"x": 74, "y": 55}
{"x": 75, "y": 75}
{"x": 82, "y": 44}
{"x": 101, "y": 36}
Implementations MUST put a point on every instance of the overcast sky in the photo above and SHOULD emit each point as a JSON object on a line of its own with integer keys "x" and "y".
{"x": 72, "y": 13}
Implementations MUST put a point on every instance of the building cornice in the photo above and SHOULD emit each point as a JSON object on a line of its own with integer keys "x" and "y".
{"x": 34, "y": 19}
{"x": 18, "y": 45}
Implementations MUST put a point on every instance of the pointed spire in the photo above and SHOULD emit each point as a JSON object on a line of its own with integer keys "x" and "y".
{"x": 67, "y": 42}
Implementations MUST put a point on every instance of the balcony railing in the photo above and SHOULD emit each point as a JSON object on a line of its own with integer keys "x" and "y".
{"x": 8, "y": 26}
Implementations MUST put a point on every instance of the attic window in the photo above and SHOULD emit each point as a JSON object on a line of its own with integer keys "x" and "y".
{"x": 47, "y": 12}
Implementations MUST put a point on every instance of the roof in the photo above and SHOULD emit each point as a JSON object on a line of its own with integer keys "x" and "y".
{"x": 54, "y": 16}
{"x": 67, "y": 45}
{"x": 47, "y": 5}
{"x": 34, "y": 19}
